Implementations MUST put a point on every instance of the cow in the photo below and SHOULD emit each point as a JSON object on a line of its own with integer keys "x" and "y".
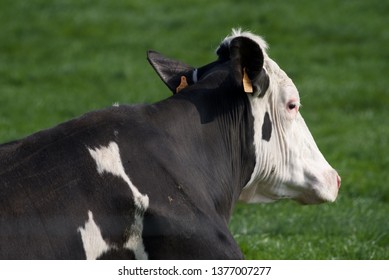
{"x": 160, "y": 181}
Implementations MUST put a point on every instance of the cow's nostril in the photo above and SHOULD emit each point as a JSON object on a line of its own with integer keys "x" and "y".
{"x": 338, "y": 180}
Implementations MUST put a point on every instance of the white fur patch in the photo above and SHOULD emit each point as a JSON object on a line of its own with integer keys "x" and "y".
{"x": 135, "y": 241}
{"x": 108, "y": 160}
{"x": 94, "y": 244}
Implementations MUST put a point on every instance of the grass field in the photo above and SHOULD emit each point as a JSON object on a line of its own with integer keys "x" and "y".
{"x": 62, "y": 58}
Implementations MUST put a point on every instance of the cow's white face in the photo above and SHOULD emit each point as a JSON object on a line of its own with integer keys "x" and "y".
{"x": 288, "y": 161}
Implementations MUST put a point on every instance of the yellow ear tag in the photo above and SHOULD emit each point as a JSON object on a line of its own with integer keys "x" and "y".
{"x": 183, "y": 84}
{"x": 247, "y": 85}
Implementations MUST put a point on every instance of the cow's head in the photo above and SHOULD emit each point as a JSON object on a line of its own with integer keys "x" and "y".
{"x": 288, "y": 161}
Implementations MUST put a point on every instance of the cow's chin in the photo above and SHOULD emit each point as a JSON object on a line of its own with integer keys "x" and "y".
{"x": 317, "y": 196}
{"x": 310, "y": 195}
{"x": 258, "y": 198}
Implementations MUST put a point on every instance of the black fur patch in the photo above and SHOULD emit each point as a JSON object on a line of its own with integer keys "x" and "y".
{"x": 266, "y": 127}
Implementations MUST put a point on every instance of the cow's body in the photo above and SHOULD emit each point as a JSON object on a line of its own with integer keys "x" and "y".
{"x": 173, "y": 152}
{"x": 152, "y": 181}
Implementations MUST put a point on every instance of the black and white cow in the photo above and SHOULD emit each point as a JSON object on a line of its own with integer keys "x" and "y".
{"x": 160, "y": 181}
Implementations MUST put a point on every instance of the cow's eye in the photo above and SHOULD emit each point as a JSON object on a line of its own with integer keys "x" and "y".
{"x": 291, "y": 106}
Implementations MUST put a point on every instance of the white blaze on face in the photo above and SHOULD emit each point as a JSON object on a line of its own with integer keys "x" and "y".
{"x": 288, "y": 161}
{"x": 108, "y": 160}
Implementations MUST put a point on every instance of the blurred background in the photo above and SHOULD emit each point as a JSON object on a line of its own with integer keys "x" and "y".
{"x": 62, "y": 58}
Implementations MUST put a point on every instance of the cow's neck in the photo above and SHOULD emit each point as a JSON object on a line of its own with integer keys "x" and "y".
{"x": 214, "y": 130}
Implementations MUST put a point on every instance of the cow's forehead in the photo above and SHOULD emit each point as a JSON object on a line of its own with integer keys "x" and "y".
{"x": 280, "y": 80}
{"x": 274, "y": 71}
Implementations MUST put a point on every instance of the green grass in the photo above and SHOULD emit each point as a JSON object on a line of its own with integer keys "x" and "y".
{"x": 59, "y": 59}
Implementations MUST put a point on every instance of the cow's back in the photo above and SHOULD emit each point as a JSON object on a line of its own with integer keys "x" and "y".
{"x": 49, "y": 183}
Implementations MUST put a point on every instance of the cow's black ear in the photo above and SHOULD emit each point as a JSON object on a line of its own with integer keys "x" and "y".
{"x": 247, "y": 65}
{"x": 169, "y": 70}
